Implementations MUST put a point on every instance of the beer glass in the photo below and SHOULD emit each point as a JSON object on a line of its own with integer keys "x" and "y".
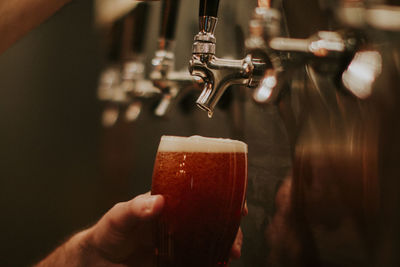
{"x": 204, "y": 182}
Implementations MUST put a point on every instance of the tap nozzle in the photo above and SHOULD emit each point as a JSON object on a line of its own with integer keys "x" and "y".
{"x": 218, "y": 74}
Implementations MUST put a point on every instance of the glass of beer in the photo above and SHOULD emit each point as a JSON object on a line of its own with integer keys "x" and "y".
{"x": 204, "y": 182}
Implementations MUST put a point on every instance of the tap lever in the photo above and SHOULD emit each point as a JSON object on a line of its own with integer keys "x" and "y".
{"x": 208, "y": 8}
{"x": 139, "y": 17}
{"x": 113, "y": 40}
{"x": 169, "y": 14}
{"x": 208, "y": 11}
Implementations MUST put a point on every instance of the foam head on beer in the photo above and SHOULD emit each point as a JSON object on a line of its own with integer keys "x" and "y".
{"x": 201, "y": 144}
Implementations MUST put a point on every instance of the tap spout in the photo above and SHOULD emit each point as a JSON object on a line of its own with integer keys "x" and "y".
{"x": 218, "y": 74}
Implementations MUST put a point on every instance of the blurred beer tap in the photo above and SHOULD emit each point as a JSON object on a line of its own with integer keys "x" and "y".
{"x": 327, "y": 52}
{"x": 164, "y": 76}
{"x": 368, "y": 15}
{"x": 110, "y": 77}
{"x": 218, "y": 73}
{"x": 265, "y": 25}
{"x": 133, "y": 82}
{"x": 380, "y": 22}
{"x": 348, "y": 55}
{"x": 122, "y": 84}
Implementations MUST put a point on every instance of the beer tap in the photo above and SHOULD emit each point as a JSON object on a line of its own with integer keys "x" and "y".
{"x": 382, "y": 21}
{"x": 265, "y": 25}
{"x": 137, "y": 88}
{"x": 218, "y": 73}
{"x": 110, "y": 77}
{"x": 328, "y": 52}
{"x": 164, "y": 76}
{"x": 123, "y": 85}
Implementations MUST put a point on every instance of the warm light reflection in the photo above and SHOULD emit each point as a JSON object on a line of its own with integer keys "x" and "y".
{"x": 264, "y": 3}
{"x": 107, "y": 11}
{"x": 384, "y": 17}
{"x": 362, "y": 72}
{"x": 109, "y": 78}
{"x": 110, "y": 116}
{"x": 263, "y": 93}
{"x": 133, "y": 111}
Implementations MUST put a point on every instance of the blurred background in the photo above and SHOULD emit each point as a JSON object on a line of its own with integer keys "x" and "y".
{"x": 323, "y": 186}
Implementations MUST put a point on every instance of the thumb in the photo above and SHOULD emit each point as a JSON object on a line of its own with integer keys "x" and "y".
{"x": 113, "y": 234}
{"x": 123, "y": 216}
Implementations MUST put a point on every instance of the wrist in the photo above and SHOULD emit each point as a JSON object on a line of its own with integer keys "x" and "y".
{"x": 85, "y": 253}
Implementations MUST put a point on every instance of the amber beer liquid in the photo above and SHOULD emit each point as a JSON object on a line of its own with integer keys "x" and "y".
{"x": 203, "y": 181}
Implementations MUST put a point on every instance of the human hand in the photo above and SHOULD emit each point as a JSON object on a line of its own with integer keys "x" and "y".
{"x": 122, "y": 237}
{"x": 237, "y": 244}
{"x": 124, "y": 234}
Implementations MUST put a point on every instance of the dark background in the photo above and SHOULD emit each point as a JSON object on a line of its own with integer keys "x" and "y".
{"x": 60, "y": 170}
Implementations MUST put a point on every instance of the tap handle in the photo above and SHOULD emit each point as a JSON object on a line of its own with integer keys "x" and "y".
{"x": 169, "y": 14}
{"x": 134, "y": 32}
{"x": 113, "y": 41}
{"x": 208, "y": 8}
{"x": 139, "y": 27}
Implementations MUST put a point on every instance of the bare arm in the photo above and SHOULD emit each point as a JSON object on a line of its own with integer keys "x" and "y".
{"x": 18, "y": 17}
{"x": 122, "y": 237}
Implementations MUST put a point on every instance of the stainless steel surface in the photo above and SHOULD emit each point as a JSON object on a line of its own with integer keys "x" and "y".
{"x": 219, "y": 73}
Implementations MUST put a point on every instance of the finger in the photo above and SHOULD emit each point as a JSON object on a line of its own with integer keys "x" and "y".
{"x": 237, "y": 245}
{"x": 113, "y": 236}
{"x": 143, "y": 207}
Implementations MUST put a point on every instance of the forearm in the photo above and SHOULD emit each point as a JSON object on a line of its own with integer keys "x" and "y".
{"x": 76, "y": 252}
{"x": 121, "y": 236}
{"x": 18, "y": 17}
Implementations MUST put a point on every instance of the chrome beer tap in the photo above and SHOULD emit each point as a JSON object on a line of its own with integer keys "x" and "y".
{"x": 265, "y": 25}
{"x": 382, "y": 23}
{"x": 133, "y": 82}
{"x": 218, "y": 73}
{"x": 328, "y": 52}
{"x": 348, "y": 55}
{"x": 164, "y": 76}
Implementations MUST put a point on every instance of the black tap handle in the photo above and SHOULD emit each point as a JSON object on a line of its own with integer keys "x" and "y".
{"x": 134, "y": 31}
{"x": 169, "y": 15}
{"x": 113, "y": 41}
{"x": 208, "y": 8}
{"x": 139, "y": 28}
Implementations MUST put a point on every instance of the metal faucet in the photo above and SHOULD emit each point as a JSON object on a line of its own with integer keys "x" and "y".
{"x": 329, "y": 52}
{"x": 270, "y": 57}
{"x": 382, "y": 21}
{"x": 164, "y": 76}
{"x": 341, "y": 54}
{"x": 218, "y": 73}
